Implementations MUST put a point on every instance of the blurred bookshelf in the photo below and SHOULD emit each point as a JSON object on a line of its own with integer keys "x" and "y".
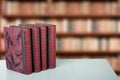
{"x": 90, "y": 29}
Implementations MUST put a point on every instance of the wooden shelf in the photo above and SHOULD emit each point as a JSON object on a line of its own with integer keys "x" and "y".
{"x": 88, "y": 53}
{"x": 88, "y": 34}
{"x": 117, "y": 71}
{"x": 84, "y": 35}
{"x": 60, "y": 16}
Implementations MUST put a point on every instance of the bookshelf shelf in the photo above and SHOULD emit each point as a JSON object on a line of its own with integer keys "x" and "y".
{"x": 89, "y": 53}
{"x": 84, "y": 35}
{"x": 88, "y": 34}
{"x": 59, "y": 16}
{"x": 117, "y": 71}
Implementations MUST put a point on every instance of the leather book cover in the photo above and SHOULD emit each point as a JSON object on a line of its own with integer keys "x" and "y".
{"x": 51, "y": 29}
{"x": 18, "y": 49}
{"x": 44, "y": 47}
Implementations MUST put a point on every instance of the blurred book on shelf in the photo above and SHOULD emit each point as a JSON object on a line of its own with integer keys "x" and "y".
{"x": 88, "y": 44}
{"x": 61, "y": 8}
{"x": 74, "y": 25}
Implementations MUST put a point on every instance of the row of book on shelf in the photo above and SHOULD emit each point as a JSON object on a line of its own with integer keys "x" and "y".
{"x": 74, "y": 25}
{"x": 88, "y": 44}
{"x": 61, "y": 7}
{"x": 84, "y": 44}
{"x": 30, "y": 47}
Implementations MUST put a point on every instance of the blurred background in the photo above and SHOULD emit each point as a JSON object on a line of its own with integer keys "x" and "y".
{"x": 85, "y": 28}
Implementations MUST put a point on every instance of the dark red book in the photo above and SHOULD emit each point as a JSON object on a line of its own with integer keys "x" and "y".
{"x": 18, "y": 49}
{"x": 51, "y": 29}
{"x": 35, "y": 33}
{"x": 44, "y": 47}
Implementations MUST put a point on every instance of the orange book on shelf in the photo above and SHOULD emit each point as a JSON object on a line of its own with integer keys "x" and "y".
{"x": 114, "y": 44}
{"x": 85, "y": 7}
{"x": 27, "y": 8}
{"x": 114, "y": 8}
{"x": 79, "y": 26}
{"x": 73, "y": 8}
{"x": 58, "y": 8}
{"x": 98, "y": 8}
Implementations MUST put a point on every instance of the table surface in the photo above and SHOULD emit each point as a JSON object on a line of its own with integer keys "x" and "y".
{"x": 67, "y": 69}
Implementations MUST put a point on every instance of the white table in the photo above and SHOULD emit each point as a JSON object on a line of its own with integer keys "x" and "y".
{"x": 67, "y": 69}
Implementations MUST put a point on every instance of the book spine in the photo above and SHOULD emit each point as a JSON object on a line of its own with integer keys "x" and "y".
{"x": 52, "y": 46}
{"x": 44, "y": 47}
{"x": 36, "y": 49}
{"x": 28, "y": 52}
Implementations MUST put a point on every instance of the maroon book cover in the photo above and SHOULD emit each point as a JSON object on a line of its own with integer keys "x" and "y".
{"x": 44, "y": 47}
{"x": 18, "y": 49}
{"x": 35, "y": 33}
{"x": 51, "y": 46}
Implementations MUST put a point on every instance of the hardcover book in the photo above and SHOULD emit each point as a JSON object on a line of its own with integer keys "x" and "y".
{"x": 18, "y": 49}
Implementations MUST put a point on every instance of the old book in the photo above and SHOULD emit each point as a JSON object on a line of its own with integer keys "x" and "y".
{"x": 18, "y": 49}
{"x": 51, "y": 42}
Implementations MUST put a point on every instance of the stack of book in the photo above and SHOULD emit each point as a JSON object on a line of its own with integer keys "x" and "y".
{"x": 30, "y": 47}
{"x": 84, "y": 44}
{"x": 62, "y": 7}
